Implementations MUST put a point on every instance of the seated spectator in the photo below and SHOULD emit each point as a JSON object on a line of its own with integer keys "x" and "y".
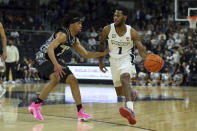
{"x": 142, "y": 77}
{"x": 14, "y": 34}
{"x": 154, "y": 79}
{"x": 24, "y": 68}
{"x": 134, "y": 79}
{"x": 177, "y": 79}
{"x": 73, "y": 61}
{"x": 33, "y": 71}
{"x": 81, "y": 60}
{"x": 166, "y": 78}
{"x": 92, "y": 43}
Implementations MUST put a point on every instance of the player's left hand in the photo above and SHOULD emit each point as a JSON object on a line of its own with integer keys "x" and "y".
{"x": 59, "y": 70}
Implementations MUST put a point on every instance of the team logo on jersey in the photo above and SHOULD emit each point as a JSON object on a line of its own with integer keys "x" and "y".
{"x": 64, "y": 48}
{"x": 113, "y": 35}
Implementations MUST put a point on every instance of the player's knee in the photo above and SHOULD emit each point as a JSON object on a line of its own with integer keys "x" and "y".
{"x": 71, "y": 80}
{"x": 125, "y": 76}
{"x": 54, "y": 79}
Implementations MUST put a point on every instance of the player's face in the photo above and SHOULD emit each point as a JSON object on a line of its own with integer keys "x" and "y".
{"x": 77, "y": 26}
{"x": 119, "y": 18}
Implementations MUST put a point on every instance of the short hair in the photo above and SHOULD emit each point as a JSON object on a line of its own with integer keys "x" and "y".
{"x": 123, "y": 9}
{"x": 70, "y": 16}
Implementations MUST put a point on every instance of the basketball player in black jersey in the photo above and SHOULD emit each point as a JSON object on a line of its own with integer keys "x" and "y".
{"x": 50, "y": 66}
{"x": 4, "y": 55}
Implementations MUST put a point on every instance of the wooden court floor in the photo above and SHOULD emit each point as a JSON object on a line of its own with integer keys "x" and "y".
{"x": 156, "y": 109}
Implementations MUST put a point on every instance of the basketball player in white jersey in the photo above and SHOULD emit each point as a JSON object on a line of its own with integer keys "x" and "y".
{"x": 121, "y": 39}
{"x": 4, "y": 55}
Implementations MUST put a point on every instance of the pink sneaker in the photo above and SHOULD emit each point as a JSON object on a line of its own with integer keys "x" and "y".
{"x": 35, "y": 110}
{"x": 82, "y": 116}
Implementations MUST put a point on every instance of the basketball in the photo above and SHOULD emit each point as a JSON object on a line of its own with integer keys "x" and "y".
{"x": 153, "y": 63}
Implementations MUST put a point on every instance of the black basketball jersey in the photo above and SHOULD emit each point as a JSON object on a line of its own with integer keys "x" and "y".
{"x": 63, "y": 51}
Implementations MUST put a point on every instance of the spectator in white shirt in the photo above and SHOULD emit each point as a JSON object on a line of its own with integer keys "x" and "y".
{"x": 12, "y": 60}
{"x": 170, "y": 42}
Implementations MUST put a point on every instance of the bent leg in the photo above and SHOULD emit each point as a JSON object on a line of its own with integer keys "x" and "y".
{"x": 73, "y": 82}
{"x": 49, "y": 87}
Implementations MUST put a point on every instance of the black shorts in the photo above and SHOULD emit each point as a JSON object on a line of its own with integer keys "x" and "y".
{"x": 47, "y": 68}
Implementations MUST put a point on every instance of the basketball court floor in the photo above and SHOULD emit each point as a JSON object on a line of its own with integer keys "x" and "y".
{"x": 156, "y": 109}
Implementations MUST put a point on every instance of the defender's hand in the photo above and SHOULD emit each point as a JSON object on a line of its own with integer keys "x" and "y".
{"x": 102, "y": 67}
{"x": 106, "y": 52}
{"x": 59, "y": 70}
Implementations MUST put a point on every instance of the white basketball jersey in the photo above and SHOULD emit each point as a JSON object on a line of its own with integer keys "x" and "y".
{"x": 120, "y": 46}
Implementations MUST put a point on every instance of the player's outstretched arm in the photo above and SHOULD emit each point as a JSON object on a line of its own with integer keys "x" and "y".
{"x": 137, "y": 40}
{"x": 4, "y": 41}
{"x": 87, "y": 54}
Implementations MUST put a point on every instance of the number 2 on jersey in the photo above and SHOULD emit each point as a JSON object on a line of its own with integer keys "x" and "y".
{"x": 120, "y": 50}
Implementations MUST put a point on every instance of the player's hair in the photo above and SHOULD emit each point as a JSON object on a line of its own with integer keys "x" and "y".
{"x": 70, "y": 16}
{"x": 123, "y": 9}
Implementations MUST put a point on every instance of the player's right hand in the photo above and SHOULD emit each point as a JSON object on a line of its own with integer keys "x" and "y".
{"x": 102, "y": 67}
{"x": 59, "y": 70}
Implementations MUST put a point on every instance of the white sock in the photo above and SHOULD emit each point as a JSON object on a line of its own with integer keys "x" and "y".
{"x": 129, "y": 104}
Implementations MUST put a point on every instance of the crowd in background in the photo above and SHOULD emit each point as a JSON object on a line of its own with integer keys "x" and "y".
{"x": 172, "y": 40}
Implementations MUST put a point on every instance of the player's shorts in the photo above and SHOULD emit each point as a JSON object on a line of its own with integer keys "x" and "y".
{"x": 47, "y": 68}
{"x": 119, "y": 66}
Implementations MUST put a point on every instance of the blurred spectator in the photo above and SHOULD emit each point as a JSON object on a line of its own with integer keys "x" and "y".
{"x": 11, "y": 61}
{"x": 24, "y": 69}
{"x": 142, "y": 77}
{"x": 14, "y": 34}
{"x": 177, "y": 79}
{"x": 33, "y": 71}
{"x": 134, "y": 79}
{"x": 81, "y": 60}
{"x": 92, "y": 43}
{"x": 170, "y": 42}
{"x": 166, "y": 78}
{"x": 154, "y": 79}
{"x": 73, "y": 61}
{"x": 162, "y": 35}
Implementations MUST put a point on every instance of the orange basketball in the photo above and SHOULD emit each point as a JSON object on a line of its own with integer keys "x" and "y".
{"x": 153, "y": 63}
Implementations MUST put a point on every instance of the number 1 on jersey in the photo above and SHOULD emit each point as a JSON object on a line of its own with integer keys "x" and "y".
{"x": 120, "y": 50}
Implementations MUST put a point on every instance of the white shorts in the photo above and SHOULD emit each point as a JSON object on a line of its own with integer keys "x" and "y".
{"x": 119, "y": 66}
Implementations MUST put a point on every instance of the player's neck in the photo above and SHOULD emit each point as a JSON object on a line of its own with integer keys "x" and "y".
{"x": 121, "y": 27}
{"x": 72, "y": 32}
{"x": 121, "y": 30}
